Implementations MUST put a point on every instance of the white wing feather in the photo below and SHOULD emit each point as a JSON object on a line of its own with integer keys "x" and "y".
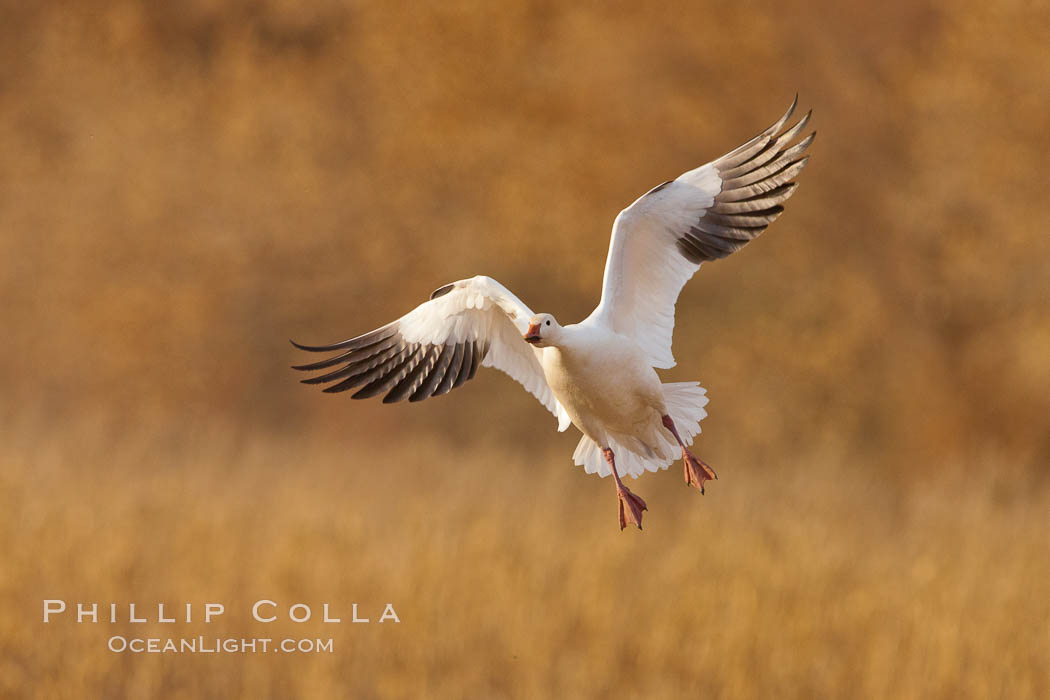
{"x": 482, "y": 308}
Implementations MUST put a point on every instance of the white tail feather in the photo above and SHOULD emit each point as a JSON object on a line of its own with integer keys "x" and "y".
{"x": 685, "y": 403}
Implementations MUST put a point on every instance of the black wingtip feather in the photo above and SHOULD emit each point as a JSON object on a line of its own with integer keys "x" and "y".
{"x": 442, "y": 291}
{"x": 320, "y": 348}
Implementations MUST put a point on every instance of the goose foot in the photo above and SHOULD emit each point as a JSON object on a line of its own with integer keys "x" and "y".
{"x": 696, "y": 470}
{"x": 631, "y": 506}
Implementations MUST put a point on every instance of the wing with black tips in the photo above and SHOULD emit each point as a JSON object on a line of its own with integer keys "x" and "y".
{"x": 437, "y": 347}
{"x": 661, "y": 240}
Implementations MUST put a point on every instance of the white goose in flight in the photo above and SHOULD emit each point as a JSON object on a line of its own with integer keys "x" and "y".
{"x": 599, "y": 374}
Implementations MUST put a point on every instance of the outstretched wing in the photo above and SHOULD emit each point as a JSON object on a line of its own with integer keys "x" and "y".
{"x": 660, "y": 241}
{"x": 437, "y": 347}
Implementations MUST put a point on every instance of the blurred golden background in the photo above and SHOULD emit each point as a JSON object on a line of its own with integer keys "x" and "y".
{"x": 185, "y": 186}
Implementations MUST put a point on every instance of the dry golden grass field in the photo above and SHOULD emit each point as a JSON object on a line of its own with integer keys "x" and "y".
{"x": 800, "y": 582}
{"x": 185, "y": 186}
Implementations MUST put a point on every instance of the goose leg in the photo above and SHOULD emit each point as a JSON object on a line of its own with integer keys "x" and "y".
{"x": 696, "y": 471}
{"x": 631, "y": 506}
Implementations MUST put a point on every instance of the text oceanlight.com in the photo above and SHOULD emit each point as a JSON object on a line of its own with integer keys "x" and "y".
{"x": 217, "y": 645}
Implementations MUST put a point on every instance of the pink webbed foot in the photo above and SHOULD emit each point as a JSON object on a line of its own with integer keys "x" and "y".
{"x": 631, "y": 507}
{"x": 696, "y": 470}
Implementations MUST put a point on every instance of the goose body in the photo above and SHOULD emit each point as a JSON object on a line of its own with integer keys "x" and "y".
{"x": 599, "y": 374}
{"x": 606, "y": 385}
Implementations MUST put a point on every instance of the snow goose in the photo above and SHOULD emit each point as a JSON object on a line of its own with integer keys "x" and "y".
{"x": 599, "y": 374}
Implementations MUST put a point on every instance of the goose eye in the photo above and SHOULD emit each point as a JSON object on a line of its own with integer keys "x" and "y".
{"x": 548, "y": 323}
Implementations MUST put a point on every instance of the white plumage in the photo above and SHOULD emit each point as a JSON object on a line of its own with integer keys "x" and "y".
{"x": 597, "y": 374}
